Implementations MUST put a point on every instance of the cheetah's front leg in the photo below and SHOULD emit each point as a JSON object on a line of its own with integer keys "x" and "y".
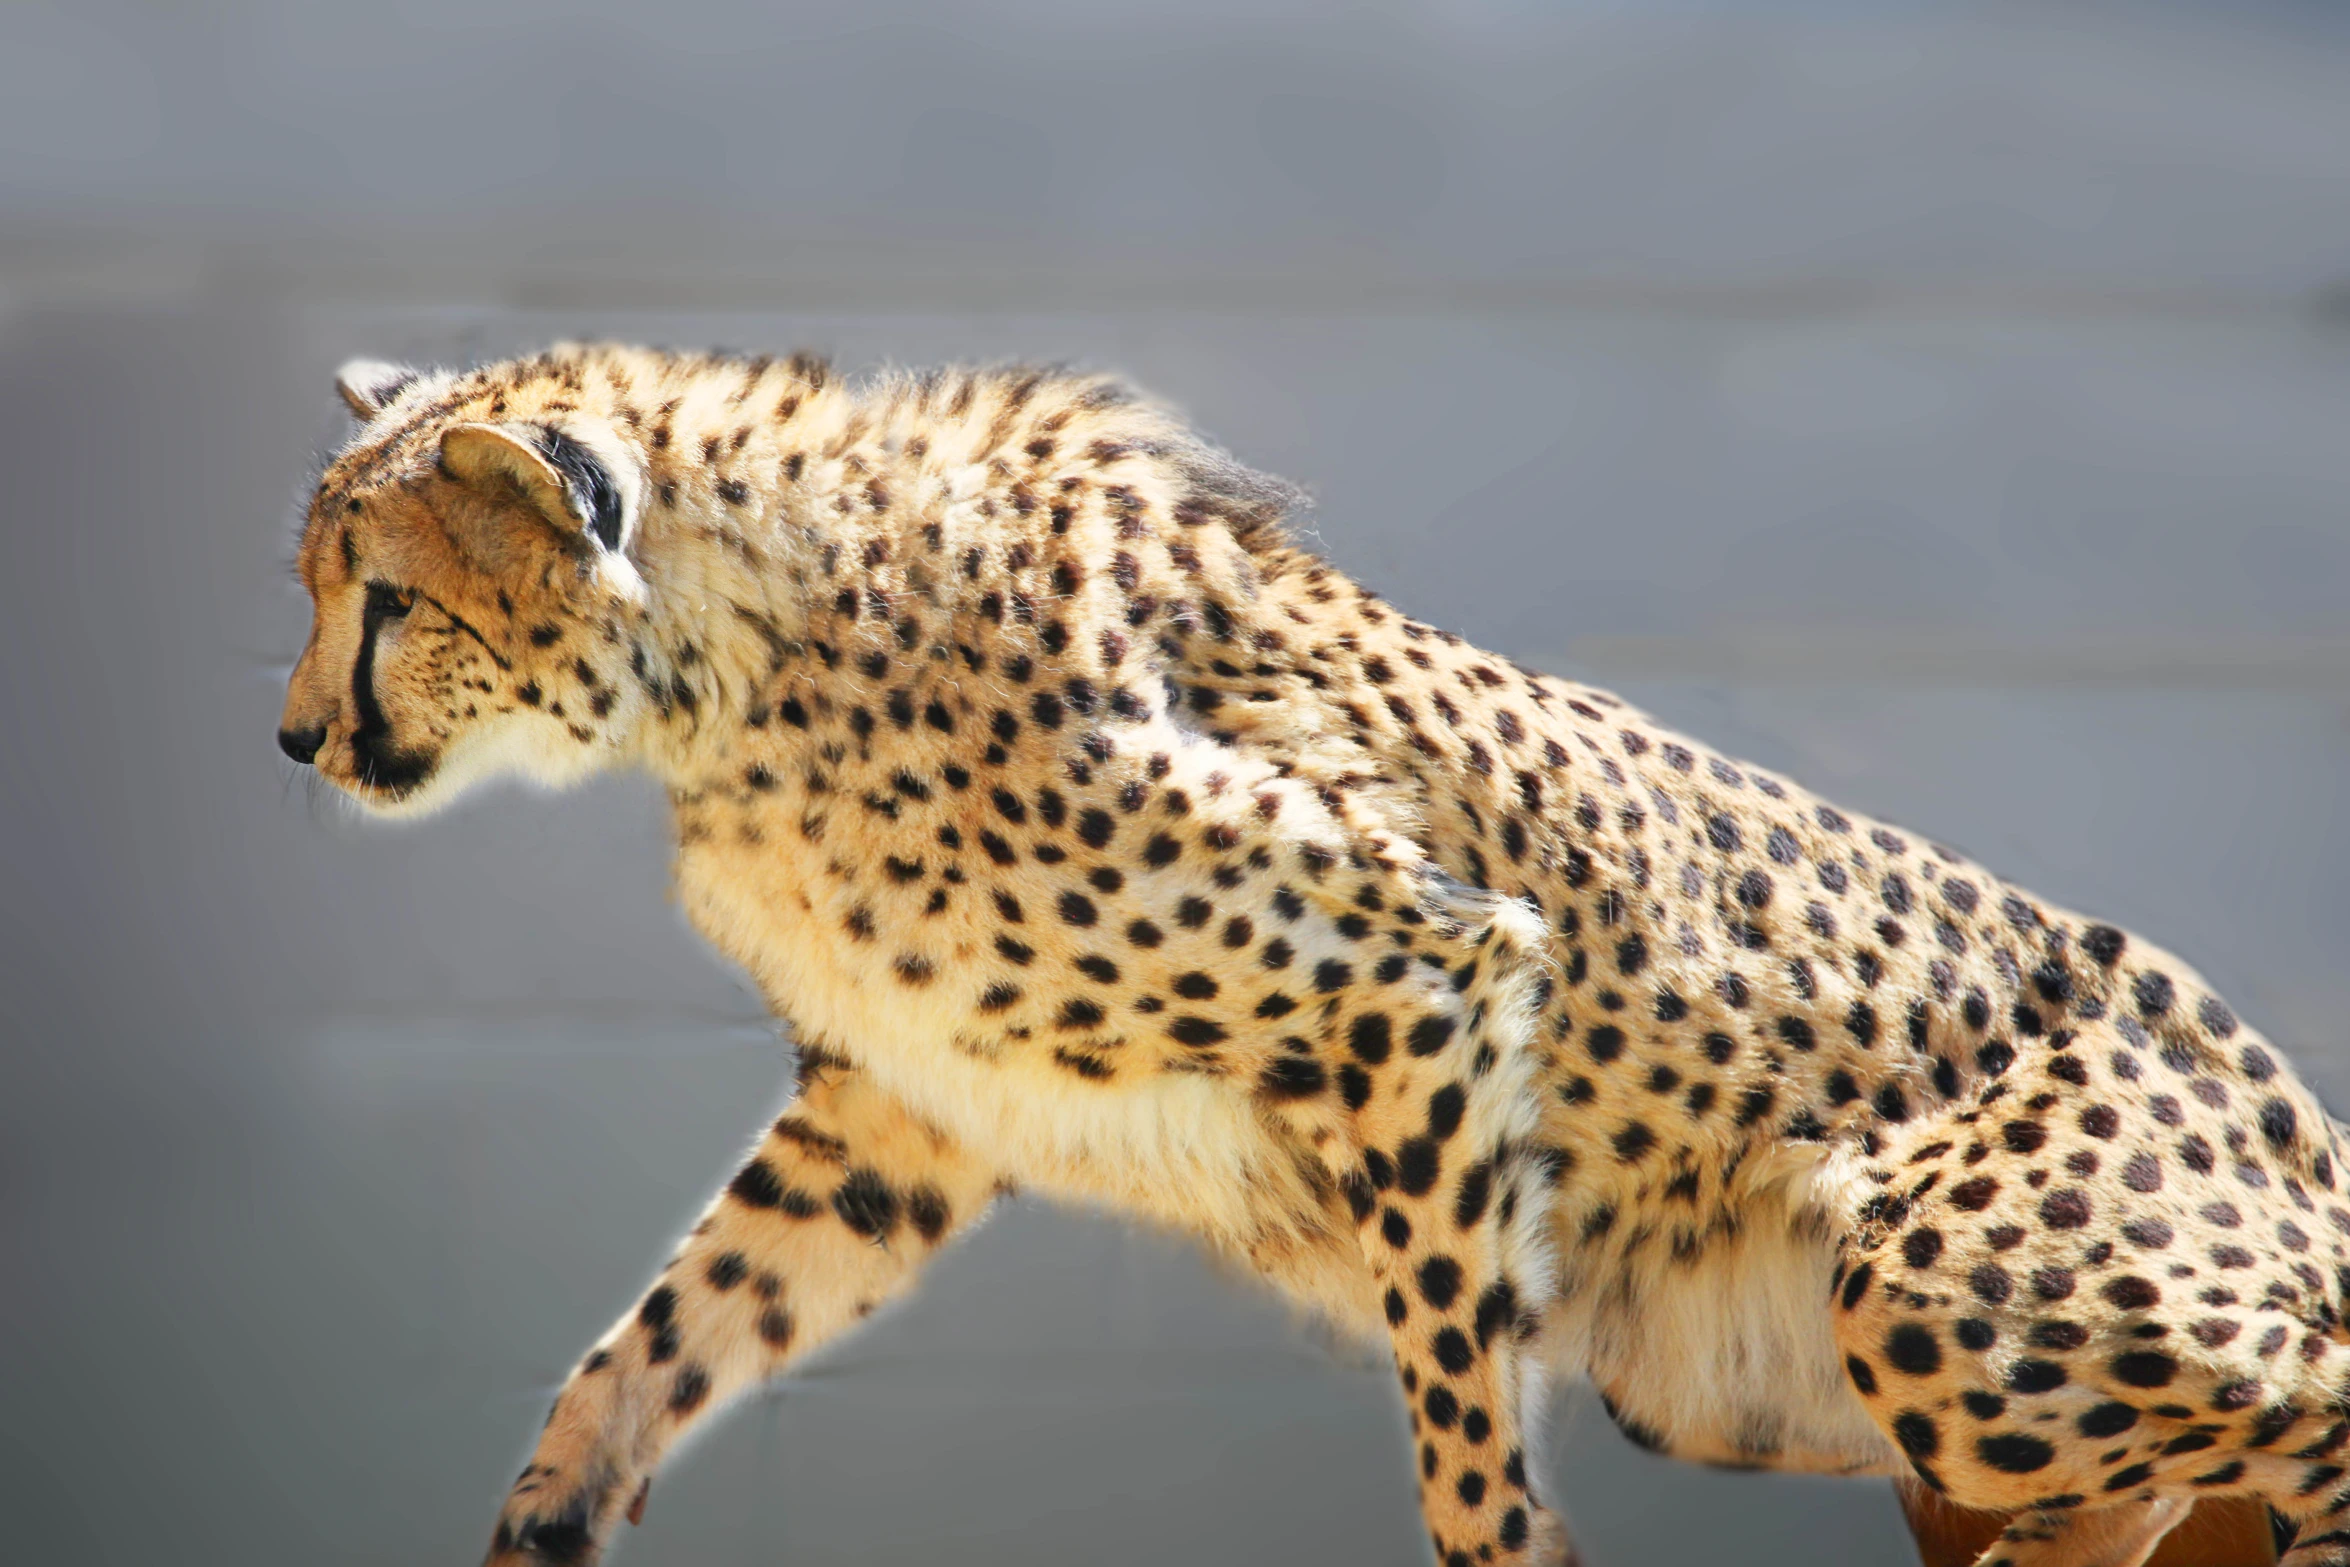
{"x": 846, "y": 1198}
{"x": 1450, "y": 1207}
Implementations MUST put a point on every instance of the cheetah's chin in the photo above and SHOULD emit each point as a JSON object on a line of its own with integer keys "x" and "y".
{"x": 435, "y": 780}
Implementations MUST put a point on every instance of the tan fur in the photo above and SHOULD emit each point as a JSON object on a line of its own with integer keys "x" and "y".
{"x": 1095, "y": 839}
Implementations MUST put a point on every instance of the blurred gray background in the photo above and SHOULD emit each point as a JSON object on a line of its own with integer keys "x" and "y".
{"x": 1947, "y": 405}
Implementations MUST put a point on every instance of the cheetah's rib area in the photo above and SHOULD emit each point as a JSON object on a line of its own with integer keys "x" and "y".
{"x": 1094, "y": 838}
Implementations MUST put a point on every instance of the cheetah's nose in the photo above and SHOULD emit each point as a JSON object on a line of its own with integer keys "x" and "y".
{"x": 301, "y": 744}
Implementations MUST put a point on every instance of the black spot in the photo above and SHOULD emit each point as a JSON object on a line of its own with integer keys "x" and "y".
{"x": 1416, "y": 1165}
{"x": 927, "y": 1207}
{"x": 775, "y": 1327}
{"x": 1291, "y": 1077}
{"x": 756, "y": 1185}
{"x": 1917, "y": 1434}
{"x": 1469, "y": 1203}
{"x": 1195, "y": 986}
{"x": 1911, "y": 1347}
{"x": 2013, "y": 1452}
{"x": 2104, "y": 943}
{"x": 1440, "y": 1282}
{"x": 1195, "y": 1031}
{"x": 1856, "y": 1284}
{"x": 1445, "y": 1107}
{"x": 2065, "y": 1210}
{"x": 1497, "y": 1309}
{"x": 687, "y": 1393}
{"x": 2106, "y": 1419}
{"x": 866, "y": 1204}
{"x": 1513, "y": 1527}
{"x": 2035, "y": 1376}
{"x": 2145, "y": 1368}
{"x": 1429, "y": 1035}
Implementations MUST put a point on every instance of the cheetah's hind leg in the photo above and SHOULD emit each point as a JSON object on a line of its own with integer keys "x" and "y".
{"x": 2119, "y": 1536}
{"x": 2323, "y": 1540}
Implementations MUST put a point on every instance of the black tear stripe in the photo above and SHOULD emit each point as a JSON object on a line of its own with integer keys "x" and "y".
{"x": 381, "y": 764}
{"x": 592, "y": 489}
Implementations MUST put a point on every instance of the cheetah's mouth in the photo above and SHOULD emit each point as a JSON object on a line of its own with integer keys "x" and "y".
{"x": 382, "y": 767}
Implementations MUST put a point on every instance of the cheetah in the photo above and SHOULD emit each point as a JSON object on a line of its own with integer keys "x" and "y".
{"x": 1095, "y": 839}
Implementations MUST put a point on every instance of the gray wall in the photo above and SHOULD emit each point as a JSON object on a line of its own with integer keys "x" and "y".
{"x": 1949, "y": 407}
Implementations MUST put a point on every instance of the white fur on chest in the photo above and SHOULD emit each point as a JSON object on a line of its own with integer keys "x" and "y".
{"x": 1177, "y": 1145}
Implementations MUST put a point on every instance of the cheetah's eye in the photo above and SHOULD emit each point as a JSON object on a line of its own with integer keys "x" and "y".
{"x": 385, "y": 602}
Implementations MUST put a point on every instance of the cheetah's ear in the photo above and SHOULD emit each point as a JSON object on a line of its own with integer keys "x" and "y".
{"x": 579, "y": 479}
{"x": 579, "y": 487}
{"x": 369, "y": 385}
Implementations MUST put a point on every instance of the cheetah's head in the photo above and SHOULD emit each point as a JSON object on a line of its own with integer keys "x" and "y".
{"x": 469, "y": 561}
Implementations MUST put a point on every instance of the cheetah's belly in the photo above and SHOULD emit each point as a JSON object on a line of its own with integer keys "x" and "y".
{"x": 1183, "y": 1148}
{"x": 1727, "y": 1358}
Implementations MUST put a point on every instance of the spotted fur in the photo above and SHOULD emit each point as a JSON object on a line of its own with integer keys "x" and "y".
{"x": 1096, "y": 839}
